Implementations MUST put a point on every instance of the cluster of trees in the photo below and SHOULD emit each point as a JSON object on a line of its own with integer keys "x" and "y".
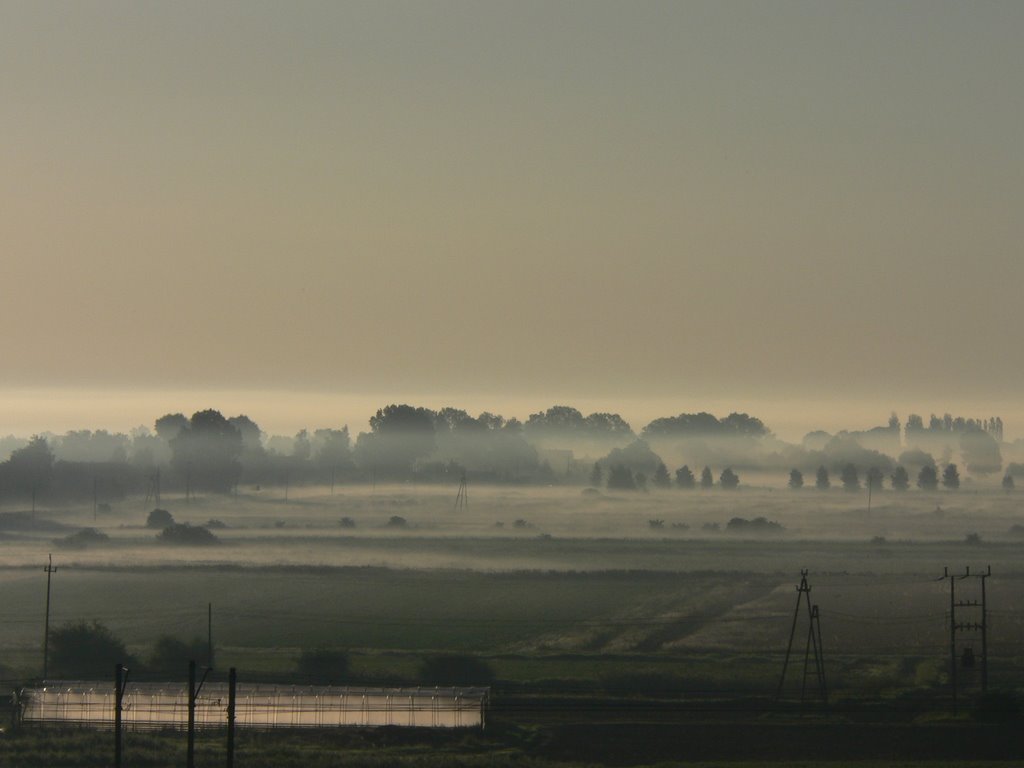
{"x": 209, "y": 452}
{"x": 849, "y": 477}
{"x": 622, "y": 478}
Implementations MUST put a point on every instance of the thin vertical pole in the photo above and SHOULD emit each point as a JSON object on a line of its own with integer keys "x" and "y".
{"x": 984, "y": 633}
{"x": 952, "y": 637}
{"x": 821, "y": 656}
{"x": 118, "y": 701}
{"x": 231, "y": 717}
{"x": 50, "y": 570}
{"x": 209, "y": 635}
{"x": 191, "y": 753}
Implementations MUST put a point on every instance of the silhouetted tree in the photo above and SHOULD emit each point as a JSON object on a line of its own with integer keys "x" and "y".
{"x": 251, "y": 435}
{"x": 900, "y": 479}
{"x": 596, "y": 475}
{"x": 927, "y": 478}
{"x": 1007, "y": 482}
{"x": 796, "y": 479}
{"x": 980, "y": 452}
{"x": 207, "y": 452}
{"x": 951, "y": 477}
{"x": 332, "y": 448}
{"x": 641, "y": 481}
{"x": 159, "y": 519}
{"x": 637, "y": 456}
{"x": 729, "y": 479}
{"x": 621, "y": 479}
{"x": 170, "y": 425}
{"x": 85, "y": 651}
{"x": 821, "y": 481}
{"x": 706, "y": 479}
{"x": 661, "y": 478}
{"x": 685, "y": 478}
{"x": 874, "y": 478}
{"x": 171, "y": 656}
{"x": 849, "y": 478}
{"x": 401, "y": 435}
{"x": 302, "y": 449}
{"x": 30, "y": 468}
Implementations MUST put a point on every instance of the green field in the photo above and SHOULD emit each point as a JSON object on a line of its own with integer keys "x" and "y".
{"x": 584, "y": 613}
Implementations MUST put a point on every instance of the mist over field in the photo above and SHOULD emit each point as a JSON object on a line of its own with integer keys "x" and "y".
{"x": 621, "y": 358}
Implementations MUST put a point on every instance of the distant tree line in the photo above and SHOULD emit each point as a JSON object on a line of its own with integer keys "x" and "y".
{"x": 208, "y": 452}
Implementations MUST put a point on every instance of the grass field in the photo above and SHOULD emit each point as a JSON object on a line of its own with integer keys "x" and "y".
{"x": 582, "y": 611}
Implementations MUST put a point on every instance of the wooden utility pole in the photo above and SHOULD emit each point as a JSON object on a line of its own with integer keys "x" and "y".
{"x": 803, "y": 597}
{"x": 190, "y": 757}
{"x": 209, "y": 635}
{"x": 120, "y": 682}
{"x": 50, "y": 570}
{"x": 968, "y": 659}
{"x": 231, "y": 717}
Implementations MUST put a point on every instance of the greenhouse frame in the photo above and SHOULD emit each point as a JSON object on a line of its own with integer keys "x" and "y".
{"x": 165, "y": 705}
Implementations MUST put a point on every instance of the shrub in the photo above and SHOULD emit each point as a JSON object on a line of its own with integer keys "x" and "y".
{"x": 186, "y": 534}
{"x": 757, "y": 525}
{"x": 347, "y": 522}
{"x": 396, "y": 521}
{"x": 85, "y": 651}
{"x": 82, "y": 539}
{"x": 159, "y": 518}
{"x": 171, "y": 656}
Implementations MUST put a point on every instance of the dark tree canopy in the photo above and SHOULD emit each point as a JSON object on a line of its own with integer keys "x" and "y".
{"x": 928, "y": 478}
{"x": 821, "y": 480}
{"x": 685, "y": 478}
{"x": 707, "y": 480}
{"x": 565, "y": 423}
{"x": 874, "y": 478}
{"x": 729, "y": 479}
{"x": 31, "y": 467}
{"x": 596, "y": 475}
{"x": 661, "y": 477}
{"x": 849, "y": 478}
{"x": 401, "y": 435}
{"x": 85, "y": 651}
{"x": 620, "y": 478}
{"x": 206, "y": 453}
{"x": 900, "y": 479}
{"x": 705, "y": 424}
{"x": 171, "y": 656}
{"x": 951, "y": 477}
{"x": 637, "y": 456}
{"x": 980, "y": 452}
{"x": 796, "y": 479}
{"x": 170, "y": 425}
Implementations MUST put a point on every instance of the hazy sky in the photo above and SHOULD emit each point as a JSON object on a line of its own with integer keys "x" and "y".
{"x": 678, "y": 203}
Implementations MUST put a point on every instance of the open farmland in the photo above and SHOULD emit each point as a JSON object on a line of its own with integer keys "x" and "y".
{"x": 582, "y": 610}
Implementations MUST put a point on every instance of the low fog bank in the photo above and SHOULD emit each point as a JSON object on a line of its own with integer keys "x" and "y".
{"x": 560, "y": 446}
{"x": 542, "y": 529}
